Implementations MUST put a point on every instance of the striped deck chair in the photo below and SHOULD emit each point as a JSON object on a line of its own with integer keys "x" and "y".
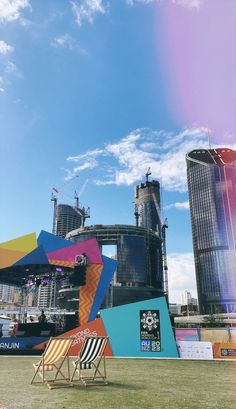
{"x": 89, "y": 359}
{"x": 53, "y": 358}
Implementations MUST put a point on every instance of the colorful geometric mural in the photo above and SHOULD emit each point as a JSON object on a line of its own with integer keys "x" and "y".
{"x": 26, "y": 253}
{"x": 141, "y": 329}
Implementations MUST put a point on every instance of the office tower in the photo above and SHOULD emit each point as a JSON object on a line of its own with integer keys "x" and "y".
{"x": 212, "y": 195}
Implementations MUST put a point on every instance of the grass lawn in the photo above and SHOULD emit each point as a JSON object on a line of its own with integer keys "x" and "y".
{"x": 133, "y": 383}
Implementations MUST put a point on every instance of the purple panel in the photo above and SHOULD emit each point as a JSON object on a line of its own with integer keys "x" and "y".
{"x": 186, "y": 334}
{"x": 89, "y": 247}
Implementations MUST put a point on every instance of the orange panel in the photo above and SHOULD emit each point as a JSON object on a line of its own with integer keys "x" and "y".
{"x": 88, "y": 291}
{"x": 224, "y": 350}
{"x": 9, "y": 257}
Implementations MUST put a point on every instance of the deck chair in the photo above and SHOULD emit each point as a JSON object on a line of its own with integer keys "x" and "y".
{"x": 89, "y": 359}
{"x": 53, "y": 358}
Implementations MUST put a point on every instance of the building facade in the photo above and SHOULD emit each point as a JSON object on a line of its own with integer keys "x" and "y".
{"x": 139, "y": 274}
{"x": 67, "y": 218}
{"x": 147, "y": 206}
{"x": 211, "y": 177}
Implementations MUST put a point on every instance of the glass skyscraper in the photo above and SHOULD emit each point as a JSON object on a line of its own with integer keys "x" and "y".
{"x": 212, "y": 195}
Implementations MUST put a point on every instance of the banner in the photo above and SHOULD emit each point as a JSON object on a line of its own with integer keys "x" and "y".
{"x": 225, "y": 350}
{"x": 195, "y": 350}
{"x": 150, "y": 340}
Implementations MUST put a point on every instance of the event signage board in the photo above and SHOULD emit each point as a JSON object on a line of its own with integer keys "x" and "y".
{"x": 150, "y": 331}
{"x": 225, "y": 350}
{"x": 14, "y": 344}
{"x": 195, "y": 350}
{"x": 125, "y": 327}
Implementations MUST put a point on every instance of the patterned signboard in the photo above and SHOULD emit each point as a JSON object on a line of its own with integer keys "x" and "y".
{"x": 150, "y": 340}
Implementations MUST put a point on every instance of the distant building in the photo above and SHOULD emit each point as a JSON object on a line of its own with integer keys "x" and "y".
{"x": 7, "y": 293}
{"x": 187, "y": 299}
{"x": 212, "y": 185}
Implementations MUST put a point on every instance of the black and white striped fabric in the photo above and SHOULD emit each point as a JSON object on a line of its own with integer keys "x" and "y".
{"x": 91, "y": 350}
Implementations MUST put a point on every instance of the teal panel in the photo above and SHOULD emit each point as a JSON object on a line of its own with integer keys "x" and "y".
{"x": 122, "y": 324}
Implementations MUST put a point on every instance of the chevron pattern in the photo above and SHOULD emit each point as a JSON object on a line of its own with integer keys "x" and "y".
{"x": 62, "y": 263}
{"x": 88, "y": 291}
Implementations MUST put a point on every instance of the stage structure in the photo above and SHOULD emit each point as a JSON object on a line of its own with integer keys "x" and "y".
{"x": 27, "y": 261}
{"x": 140, "y": 329}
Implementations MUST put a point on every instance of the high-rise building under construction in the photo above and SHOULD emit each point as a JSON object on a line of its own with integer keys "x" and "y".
{"x": 147, "y": 205}
{"x": 212, "y": 195}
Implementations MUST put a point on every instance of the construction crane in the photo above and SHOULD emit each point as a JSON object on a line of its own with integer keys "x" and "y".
{"x": 84, "y": 214}
{"x": 164, "y": 260}
{"x": 148, "y": 173}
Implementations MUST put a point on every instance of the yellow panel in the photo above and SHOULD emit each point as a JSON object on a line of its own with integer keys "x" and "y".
{"x": 9, "y": 257}
{"x": 26, "y": 243}
{"x": 214, "y": 335}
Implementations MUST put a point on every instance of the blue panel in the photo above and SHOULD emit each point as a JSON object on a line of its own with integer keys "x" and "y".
{"x": 36, "y": 256}
{"x": 50, "y": 242}
{"x": 11, "y": 344}
{"x": 122, "y": 324}
{"x": 109, "y": 268}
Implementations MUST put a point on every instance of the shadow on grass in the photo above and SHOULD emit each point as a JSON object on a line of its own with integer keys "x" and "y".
{"x": 110, "y": 385}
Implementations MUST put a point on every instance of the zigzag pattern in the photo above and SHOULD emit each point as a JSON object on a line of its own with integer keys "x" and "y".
{"x": 61, "y": 263}
{"x": 88, "y": 291}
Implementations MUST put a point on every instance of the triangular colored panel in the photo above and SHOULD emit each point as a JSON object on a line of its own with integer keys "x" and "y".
{"x": 25, "y": 244}
{"x": 36, "y": 256}
{"x": 89, "y": 247}
{"x": 50, "y": 242}
{"x": 109, "y": 268}
{"x": 9, "y": 257}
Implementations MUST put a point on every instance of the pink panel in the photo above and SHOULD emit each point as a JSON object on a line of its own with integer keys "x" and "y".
{"x": 89, "y": 247}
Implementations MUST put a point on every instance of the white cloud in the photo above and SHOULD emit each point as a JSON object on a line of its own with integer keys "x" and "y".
{"x": 189, "y": 4}
{"x": 86, "y": 10}
{"x": 181, "y": 275}
{"x": 132, "y": 2}
{"x": 66, "y": 41}
{"x": 1, "y": 84}
{"x": 178, "y": 206}
{"x": 10, "y": 10}
{"x": 12, "y": 69}
{"x": 5, "y": 48}
{"x": 87, "y": 155}
{"x": 126, "y": 162}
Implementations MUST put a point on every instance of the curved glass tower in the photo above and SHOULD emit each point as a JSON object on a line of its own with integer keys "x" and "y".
{"x": 212, "y": 195}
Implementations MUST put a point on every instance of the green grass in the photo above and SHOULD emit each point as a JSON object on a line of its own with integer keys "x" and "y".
{"x": 133, "y": 383}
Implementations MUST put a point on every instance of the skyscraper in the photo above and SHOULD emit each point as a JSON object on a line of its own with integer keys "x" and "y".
{"x": 147, "y": 206}
{"x": 212, "y": 195}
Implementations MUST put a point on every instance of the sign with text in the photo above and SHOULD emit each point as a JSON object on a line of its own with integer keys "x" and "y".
{"x": 225, "y": 350}
{"x": 150, "y": 340}
{"x": 195, "y": 350}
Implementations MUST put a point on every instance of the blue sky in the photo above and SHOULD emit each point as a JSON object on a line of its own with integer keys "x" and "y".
{"x": 85, "y": 104}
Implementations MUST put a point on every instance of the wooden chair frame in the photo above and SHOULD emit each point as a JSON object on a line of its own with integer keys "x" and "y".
{"x": 47, "y": 363}
{"x": 98, "y": 377}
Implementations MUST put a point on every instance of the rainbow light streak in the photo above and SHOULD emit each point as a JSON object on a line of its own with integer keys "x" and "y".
{"x": 199, "y": 64}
